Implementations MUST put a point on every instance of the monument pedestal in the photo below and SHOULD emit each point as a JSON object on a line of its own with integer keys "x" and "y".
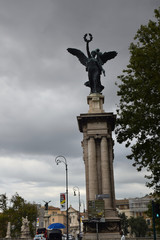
{"x": 97, "y": 127}
{"x": 97, "y": 229}
{"x": 46, "y": 218}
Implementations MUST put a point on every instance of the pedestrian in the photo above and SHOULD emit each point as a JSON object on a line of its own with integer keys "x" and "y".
{"x": 122, "y": 235}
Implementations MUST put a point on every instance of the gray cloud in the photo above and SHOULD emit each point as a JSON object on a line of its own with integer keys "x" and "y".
{"x": 42, "y": 90}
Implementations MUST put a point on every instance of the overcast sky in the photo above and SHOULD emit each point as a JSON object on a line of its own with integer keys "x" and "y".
{"x": 42, "y": 91}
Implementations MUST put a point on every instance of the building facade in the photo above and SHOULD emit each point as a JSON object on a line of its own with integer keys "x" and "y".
{"x": 135, "y": 207}
{"x": 55, "y": 215}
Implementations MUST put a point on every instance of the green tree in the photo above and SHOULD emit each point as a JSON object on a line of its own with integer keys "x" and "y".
{"x": 138, "y": 121}
{"x": 19, "y": 208}
{"x": 3, "y": 217}
{"x": 124, "y": 222}
{"x": 3, "y": 202}
{"x": 3, "y": 224}
{"x": 150, "y": 215}
{"x": 138, "y": 226}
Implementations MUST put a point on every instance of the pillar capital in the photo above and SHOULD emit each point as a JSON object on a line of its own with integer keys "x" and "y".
{"x": 98, "y": 136}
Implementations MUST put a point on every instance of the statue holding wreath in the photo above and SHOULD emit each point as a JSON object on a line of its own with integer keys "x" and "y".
{"x": 93, "y": 63}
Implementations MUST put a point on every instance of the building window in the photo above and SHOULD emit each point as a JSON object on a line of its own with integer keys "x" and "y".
{"x": 52, "y": 219}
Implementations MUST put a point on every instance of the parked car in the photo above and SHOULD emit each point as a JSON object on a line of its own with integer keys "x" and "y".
{"x": 70, "y": 237}
{"x": 39, "y": 237}
{"x": 41, "y": 234}
{"x": 54, "y": 234}
{"x": 64, "y": 236}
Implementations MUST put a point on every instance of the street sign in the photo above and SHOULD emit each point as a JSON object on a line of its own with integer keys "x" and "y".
{"x": 101, "y": 196}
{"x": 96, "y": 209}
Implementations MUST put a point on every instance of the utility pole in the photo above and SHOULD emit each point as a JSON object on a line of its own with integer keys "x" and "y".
{"x": 153, "y": 218}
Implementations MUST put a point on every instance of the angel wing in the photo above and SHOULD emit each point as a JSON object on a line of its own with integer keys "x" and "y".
{"x": 107, "y": 56}
{"x": 80, "y": 55}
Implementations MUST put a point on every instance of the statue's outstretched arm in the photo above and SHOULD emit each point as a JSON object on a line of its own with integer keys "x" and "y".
{"x": 87, "y": 43}
{"x": 87, "y": 49}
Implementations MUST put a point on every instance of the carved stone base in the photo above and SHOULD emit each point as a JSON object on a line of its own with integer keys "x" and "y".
{"x": 25, "y": 234}
{"x": 95, "y": 102}
{"x": 101, "y": 229}
{"x": 101, "y": 236}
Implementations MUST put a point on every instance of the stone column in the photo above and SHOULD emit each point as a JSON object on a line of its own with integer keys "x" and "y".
{"x": 110, "y": 144}
{"x": 92, "y": 167}
{"x": 85, "y": 157}
{"x": 8, "y": 235}
{"x": 97, "y": 127}
{"x": 105, "y": 168}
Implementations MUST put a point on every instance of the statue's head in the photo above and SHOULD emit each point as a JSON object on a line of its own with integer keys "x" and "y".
{"x": 93, "y": 53}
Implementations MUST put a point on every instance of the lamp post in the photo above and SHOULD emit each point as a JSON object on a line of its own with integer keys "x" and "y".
{"x": 77, "y": 189}
{"x": 62, "y": 159}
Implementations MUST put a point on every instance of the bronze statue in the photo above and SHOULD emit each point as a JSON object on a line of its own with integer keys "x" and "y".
{"x": 93, "y": 64}
{"x": 46, "y": 205}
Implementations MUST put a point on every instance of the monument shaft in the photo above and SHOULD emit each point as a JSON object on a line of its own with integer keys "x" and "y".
{"x": 97, "y": 127}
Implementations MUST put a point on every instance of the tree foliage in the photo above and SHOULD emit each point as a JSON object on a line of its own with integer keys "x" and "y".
{"x": 138, "y": 122}
{"x": 3, "y": 202}
{"x": 124, "y": 222}
{"x": 18, "y": 208}
{"x": 138, "y": 226}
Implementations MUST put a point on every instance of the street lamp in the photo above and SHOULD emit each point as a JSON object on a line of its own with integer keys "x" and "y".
{"x": 77, "y": 189}
{"x": 62, "y": 159}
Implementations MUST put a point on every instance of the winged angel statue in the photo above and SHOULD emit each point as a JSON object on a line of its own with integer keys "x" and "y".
{"x": 93, "y": 64}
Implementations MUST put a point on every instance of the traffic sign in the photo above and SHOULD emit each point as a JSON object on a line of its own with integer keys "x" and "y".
{"x": 101, "y": 196}
{"x": 96, "y": 209}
